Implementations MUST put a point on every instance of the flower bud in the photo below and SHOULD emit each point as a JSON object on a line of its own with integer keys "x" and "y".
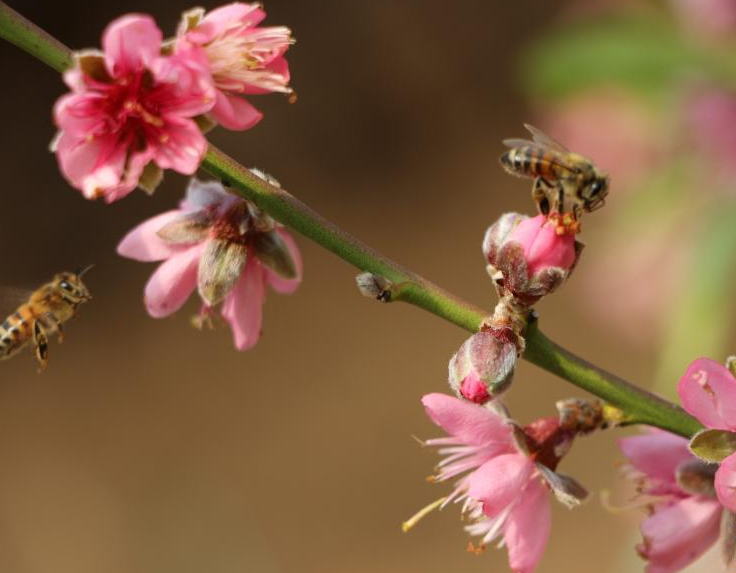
{"x": 483, "y": 367}
{"x": 531, "y": 256}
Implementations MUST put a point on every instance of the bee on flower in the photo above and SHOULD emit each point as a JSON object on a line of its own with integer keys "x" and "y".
{"x": 224, "y": 247}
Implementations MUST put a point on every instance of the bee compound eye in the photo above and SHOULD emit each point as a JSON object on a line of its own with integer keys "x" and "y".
{"x": 65, "y": 285}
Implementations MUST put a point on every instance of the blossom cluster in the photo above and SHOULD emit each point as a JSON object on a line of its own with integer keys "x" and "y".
{"x": 141, "y": 104}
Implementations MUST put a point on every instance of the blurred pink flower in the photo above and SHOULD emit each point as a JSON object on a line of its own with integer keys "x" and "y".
{"x": 625, "y": 141}
{"x": 504, "y": 474}
{"x": 223, "y": 246}
{"x": 710, "y": 116}
{"x": 708, "y": 392}
{"x": 244, "y": 59}
{"x": 707, "y": 17}
{"x": 130, "y": 112}
{"x": 684, "y": 522}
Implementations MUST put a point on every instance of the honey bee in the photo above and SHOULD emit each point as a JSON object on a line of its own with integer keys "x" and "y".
{"x": 43, "y": 315}
{"x": 566, "y": 184}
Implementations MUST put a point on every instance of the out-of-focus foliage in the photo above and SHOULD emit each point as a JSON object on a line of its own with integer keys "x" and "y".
{"x": 648, "y": 90}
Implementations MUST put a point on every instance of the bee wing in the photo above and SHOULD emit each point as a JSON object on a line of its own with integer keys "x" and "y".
{"x": 555, "y": 156}
{"x": 545, "y": 140}
{"x": 11, "y": 298}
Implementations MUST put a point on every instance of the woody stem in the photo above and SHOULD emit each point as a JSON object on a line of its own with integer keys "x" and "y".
{"x": 638, "y": 405}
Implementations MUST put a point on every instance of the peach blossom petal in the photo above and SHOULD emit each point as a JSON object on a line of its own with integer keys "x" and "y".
{"x": 497, "y": 483}
{"x": 676, "y": 535}
{"x": 278, "y": 283}
{"x": 235, "y": 112}
{"x": 243, "y": 307}
{"x": 131, "y": 43}
{"x": 143, "y": 242}
{"x": 656, "y": 454}
{"x": 468, "y": 422}
{"x": 183, "y": 148}
{"x": 708, "y": 392}
{"x": 172, "y": 283}
{"x": 726, "y": 483}
{"x": 527, "y": 528}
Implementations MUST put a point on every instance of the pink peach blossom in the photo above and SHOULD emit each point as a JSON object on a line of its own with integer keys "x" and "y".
{"x": 224, "y": 247}
{"x": 502, "y": 483}
{"x": 543, "y": 247}
{"x": 683, "y": 524}
{"x": 130, "y": 112}
{"x": 244, "y": 59}
{"x": 708, "y": 392}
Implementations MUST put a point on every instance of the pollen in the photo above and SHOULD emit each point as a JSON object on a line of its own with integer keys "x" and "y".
{"x": 475, "y": 549}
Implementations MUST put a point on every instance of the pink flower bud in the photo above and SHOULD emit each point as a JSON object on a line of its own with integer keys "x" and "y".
{"x": 543, "y": 247}
{"x": 531, "y": 257}
{"x": 483, "y": 367}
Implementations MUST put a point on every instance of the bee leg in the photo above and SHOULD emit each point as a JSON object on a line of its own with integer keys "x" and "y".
{"x": 42, "y": 345}
{"x": 52, "y": 322}
{"x": 540, "y": 195}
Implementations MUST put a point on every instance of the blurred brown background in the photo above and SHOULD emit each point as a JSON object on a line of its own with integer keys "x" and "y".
{"x": 150, "y": 447}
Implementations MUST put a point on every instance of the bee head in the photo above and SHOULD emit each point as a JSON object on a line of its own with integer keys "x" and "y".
{"x": 71, "y": 287}
{"x": 595, "y": 192}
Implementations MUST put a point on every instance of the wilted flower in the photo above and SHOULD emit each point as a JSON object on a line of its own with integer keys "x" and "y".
{"x": 222, "y": 245}
{"x": 130, "y": 112}
{"x": 531, "y": 257}
{"x": 244, "y": 59}
{"x": 685, "y": 518}
{"x": 504, "y": 474}
{"x": 483, "y": 366}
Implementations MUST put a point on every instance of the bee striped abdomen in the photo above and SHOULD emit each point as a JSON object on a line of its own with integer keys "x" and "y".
{"x": 528, "y": 161}
{"x": 16, "y": 331}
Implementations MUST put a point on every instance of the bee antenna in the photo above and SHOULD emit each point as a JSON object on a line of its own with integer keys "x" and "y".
{"x": 79, "y": 273}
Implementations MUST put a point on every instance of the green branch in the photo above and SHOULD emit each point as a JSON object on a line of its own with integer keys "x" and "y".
{"x": 639, "y": 406}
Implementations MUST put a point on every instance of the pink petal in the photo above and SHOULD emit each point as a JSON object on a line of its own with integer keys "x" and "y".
{"x": 543, "y": 247}
{"x": 470, "y": 423}
{"x": 243, "y": 307}
{"x": 278, "y": 65}
{"x": 131, "y": 43}
{"x": 708, "y": 392}
{"x": 497, "y": 483}
{"x": 234, "y": 112}
{"x": 726, "y": 483}
{"x": 676, "y": 535}
{"x": 278, "y": 283}
{"x": 137, "y": 161}
{"x": 172, "y": 282}
{"x": 81, "y": 115}
{"x": 181, "y": 146}
{"x": 92, "y": 165}
{"x": 656, "y": 454}
{"x": 143, "y": 243}
{"x": 185, "y": 87}
{"x": 229, "y": 18}
{"x": 527, "y": 528}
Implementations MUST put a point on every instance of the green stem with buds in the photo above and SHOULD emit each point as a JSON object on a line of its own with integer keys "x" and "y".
{"x": 637, "y": 405}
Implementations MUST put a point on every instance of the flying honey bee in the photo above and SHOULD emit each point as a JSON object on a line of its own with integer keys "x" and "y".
{"x": 43, "y": 315}
{"x": 566, "y": 184}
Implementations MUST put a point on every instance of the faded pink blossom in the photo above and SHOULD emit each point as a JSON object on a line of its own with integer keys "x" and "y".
{"x": 502, "y": 483}
{"x": 543, "y": 247}
{"x": 244, "y": 59}
{"x": 225, "y": 248}
{"x": 130, "y": 112}
{"x": 708, "y": 392}
{"x": 683, "y": 522}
